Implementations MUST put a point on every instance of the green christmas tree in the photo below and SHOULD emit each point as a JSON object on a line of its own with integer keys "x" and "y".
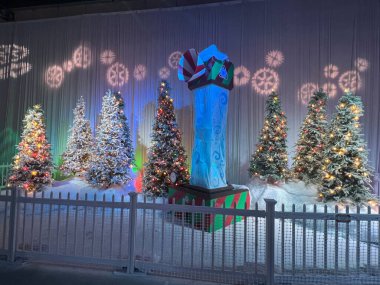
{"x": 166, "y": 157}
{"x": 346, "y": 175}
{"x": 308, "y": 161}
{"x": 32, "y": 166}
{"x": 270, "y": 161}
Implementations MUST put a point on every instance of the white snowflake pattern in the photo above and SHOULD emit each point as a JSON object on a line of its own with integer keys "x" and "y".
{"x": 350, "y": 81}
{"x": 5, "y": 53}
{"x": 274, "y": 58}
{"x": 241, "y": 76}
{"x": 107, "y": 57}
{"x": 361, "y": 64}
{"x": 265, "y": 80}
{"x": 164, "y": 73}
{"x": 117, "y": 74}
{"x": 20, "y": 68}
{"x": 174, "y": 58}
{"x": 306, "y": 91}
{"x": 330, "y": 89}
{"x": 11, "y": 60}
{"x": 331, "y": 71}
{"x": 139, "y": 72}
{"x": 54, "y": 76}
{"x": 68, "y": 66}
{"x": 3, "y": 73}
{"x": 19, "y": 52}
{"x": 82, "y": 57}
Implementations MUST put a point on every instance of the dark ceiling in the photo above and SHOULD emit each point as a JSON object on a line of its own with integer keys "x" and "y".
{"x": 11, "y": 4}
{"x": 22, "y": 10}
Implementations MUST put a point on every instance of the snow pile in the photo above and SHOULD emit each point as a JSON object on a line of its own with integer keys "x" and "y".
{"x": 299, "y": 194}
{"x": 78, "y": 185}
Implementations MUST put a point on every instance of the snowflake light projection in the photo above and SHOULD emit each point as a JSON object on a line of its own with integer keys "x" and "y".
{"x": 330, "y": 89}
{"x": 82, "y": 57}
{"x": 361, "y": 64}
{"x": 12, "y": 62}
{"x": 331, "y": 71}
{"x": 305, "y": 92}
{"x": 107, "y": 57}
{"x": 54, "y": 76}
{"x": 173, "y": 59}
{"x": 350, "y": 80}
{"x": 241, "y": 76}
{"x": 68, "y": 66}
{"x": 274, "y": 58}
{"x": 12, "y": 52}
{"x": 265, "y": 80}
{"x": 3, "y": 73}
{"x": 117, "y": 74}
{"x": 19, "y": 52}
{"x": 164, "y": 73}
{"x": 140, "y": 72}
{"x": 18, "y": 69}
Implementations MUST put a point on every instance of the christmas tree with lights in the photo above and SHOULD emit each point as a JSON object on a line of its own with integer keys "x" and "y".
{"x": 32, "y": 166}
{"x": 346, "y": 174}
{"x": 166, "y": 157}
{"x": 308, "y": 161}
{"x": 110, "y": 163}
{"x": 270, "y": 161}
{"x": 126, "y": 136}
{"x": 80, "y": 143}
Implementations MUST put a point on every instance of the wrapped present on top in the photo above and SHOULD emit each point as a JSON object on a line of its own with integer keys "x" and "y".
{"x": 209, "y": 74}
{"x": 210, "y": 66}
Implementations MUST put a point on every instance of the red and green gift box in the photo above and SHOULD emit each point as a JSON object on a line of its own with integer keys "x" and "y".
{"x": 187, "y": 195}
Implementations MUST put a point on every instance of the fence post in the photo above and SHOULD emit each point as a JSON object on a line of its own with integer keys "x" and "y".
{"x": 12, "y": 225}
{"x": 132, "y": 232}
{"x": 270, "y": 238}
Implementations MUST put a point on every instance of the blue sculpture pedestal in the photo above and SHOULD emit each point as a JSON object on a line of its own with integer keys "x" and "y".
{"x": 209, "y": 151}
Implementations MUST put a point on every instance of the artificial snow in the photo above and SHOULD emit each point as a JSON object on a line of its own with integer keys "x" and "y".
{"x": 299, "y": 194}
{"x": 165, "y": 238}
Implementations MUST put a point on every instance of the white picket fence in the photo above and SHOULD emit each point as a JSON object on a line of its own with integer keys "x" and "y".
{"x": 4, "y": 170}
{"x": 268, "y": 246}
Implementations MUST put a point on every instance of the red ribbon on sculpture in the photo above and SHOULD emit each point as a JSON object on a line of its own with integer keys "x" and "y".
{"x": 190, "y": 66}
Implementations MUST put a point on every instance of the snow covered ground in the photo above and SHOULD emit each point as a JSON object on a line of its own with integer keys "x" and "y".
{"x": 167, "y": 239}
{"x": 299, "y": 194}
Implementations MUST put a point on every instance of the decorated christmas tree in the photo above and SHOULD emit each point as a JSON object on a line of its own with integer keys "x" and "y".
{"x": 346, "y": 175}
{"x": 80, "y": 143}
{"x": 308, "y": 161}
{"x": 32, "y": 166}
{"x": 166, "y": 157}
{"x": 110, "y": 161}
{"x": 270, "y": 161}
{"x": 126, "y": 136}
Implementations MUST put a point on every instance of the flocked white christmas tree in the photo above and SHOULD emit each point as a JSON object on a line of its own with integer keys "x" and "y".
{"x": 80, "y": 143}
{"x": 32, "y": 166}
{"x": 126, "y": 136}
{"x": 110, "y": 163}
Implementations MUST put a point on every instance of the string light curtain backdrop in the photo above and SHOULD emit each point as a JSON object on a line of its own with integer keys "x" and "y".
{"x": 292, "y": 47}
